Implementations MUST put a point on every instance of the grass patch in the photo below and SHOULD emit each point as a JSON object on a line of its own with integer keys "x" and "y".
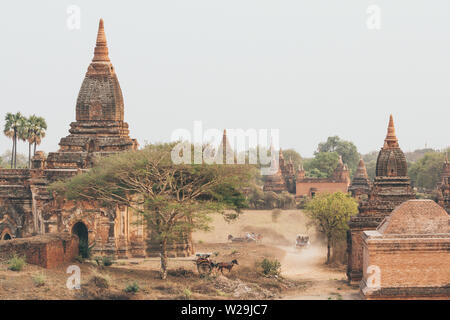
{"x": 132, "y": 288}
{"x": 39, "y": 279}
{"x": 16, "y": 263}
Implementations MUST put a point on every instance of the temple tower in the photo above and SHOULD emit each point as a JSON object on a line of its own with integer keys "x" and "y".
{"x": 361, "y": 184}
{"x": 443, "y": 188}
{"x": 391, "y": 188}
{"x": 99, "y": 128}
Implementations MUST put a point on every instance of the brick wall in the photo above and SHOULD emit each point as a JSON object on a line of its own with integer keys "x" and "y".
{"x": 303, "y": 188}
{"x": 47, "y": 251}
{"x": 411, "y": 268}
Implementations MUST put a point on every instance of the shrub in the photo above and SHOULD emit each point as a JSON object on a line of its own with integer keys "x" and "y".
{"x": 132, "y": 288}
{"x": 79, "y": 259}
{"x": 187, "y": 293}
{"x": 16, "y": 263}
{"x": 270, "y": 267}
{"x": 39, "y": 279}
{"x": 100, "y": 280}
{"x": 107, "y": 261}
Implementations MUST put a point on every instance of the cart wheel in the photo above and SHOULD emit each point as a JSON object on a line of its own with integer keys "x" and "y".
{"x": 204, "y": 268}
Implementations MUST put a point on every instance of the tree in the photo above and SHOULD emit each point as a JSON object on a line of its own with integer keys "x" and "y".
{"x": 330, "y": 213}
{"x": 33, "y": 132}
{"x": 346, "y": 149}
{"x": 291, "y": 154}
{"x": 426, "y": 172}
{"x": 174, "y": 199}
{"x": 38, "y": 128}
{"x": 324, "y": 162}
{"x": 13, "y": 122}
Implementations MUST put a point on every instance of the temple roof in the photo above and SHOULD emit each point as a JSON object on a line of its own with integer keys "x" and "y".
{"x": 100, "y": 96}
{"x": 416, "y": 217}
{"x": 391, "y": 139}
{"x": 361, "y": 171}
{"x": 391, "y": 161}
{"x": 101, "y": 47}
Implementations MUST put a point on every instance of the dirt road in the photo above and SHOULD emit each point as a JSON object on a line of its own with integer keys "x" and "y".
{"x": 322, "y": 282}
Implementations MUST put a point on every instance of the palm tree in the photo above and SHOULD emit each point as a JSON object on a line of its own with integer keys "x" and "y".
{"x": 26, "y": 134}
{"x": 13, "y": 122}
{"x": 39, "y": 126}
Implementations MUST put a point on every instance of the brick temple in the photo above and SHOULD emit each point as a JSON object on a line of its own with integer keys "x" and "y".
{"x": 407, "y": 256}
{"x": 285, "y": 179}
{"x": 360, "y": 186}
{"x": 443, "y": 187}
{"x": 390, "y": 188}
{"x": 28, "y": 209}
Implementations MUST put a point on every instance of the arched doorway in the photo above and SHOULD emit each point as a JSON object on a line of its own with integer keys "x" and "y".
{"x": 81, "y": 231}
{"x": 6, "y": 236}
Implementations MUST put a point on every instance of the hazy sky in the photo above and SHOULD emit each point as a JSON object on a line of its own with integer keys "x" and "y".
{"x": 309, "y": 68}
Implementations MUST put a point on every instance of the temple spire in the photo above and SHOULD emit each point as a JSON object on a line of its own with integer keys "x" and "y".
{"x": 391, "y": 138}
{"x": 101, "y": 47}
{"x": 361, "y": 171}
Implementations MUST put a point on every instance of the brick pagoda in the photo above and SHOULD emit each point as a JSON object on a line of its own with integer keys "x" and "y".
{"x": 391, "y": 188}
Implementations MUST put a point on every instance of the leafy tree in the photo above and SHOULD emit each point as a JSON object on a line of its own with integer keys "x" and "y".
{"x": 324, "y": 162}
{"x": 346, "y": 149}
{"x": 426, "y": 172}
{"x": 294, "y": 156}
{"x": 330, "y": 213}
{"x": 174, "y": 199}
{"x": 21, "y": 160}
{"x": 13, "y": 124}
{"x": 316, "y": 173}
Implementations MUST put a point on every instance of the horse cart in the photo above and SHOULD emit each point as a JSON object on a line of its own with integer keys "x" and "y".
{"x": 204, "y": 263}
{"x": 302, "y": 241}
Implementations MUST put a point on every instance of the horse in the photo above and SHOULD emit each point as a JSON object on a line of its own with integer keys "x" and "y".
{"x": 226, "y": 265}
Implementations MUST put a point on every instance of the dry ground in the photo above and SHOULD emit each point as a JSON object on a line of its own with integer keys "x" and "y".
{"x": 304, "y": 275}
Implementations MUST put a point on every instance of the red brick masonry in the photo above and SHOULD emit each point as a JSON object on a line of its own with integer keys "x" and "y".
{"x": 48, "y": 251}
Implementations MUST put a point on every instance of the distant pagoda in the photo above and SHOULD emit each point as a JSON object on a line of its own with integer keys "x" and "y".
{"x": 443, "y": 188}
{"x": 361, "y": 184}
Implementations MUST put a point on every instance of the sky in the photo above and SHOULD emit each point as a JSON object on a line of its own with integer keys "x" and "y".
{"x": 312, "y": 68}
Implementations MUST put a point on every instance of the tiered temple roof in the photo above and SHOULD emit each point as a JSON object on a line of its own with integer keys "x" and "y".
{"x": 99, "y": 128}
{"x": 360, "y": 183}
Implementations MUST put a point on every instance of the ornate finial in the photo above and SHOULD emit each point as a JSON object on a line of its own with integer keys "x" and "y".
{"x": 101, "y": 47}
{"x": 391, "y": 138}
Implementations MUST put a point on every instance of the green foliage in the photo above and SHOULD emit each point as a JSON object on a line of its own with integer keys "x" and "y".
{"x": 346, "y": 149}
{"x": 17, "y": 127}
{"x": 316, "y": 173}
{"x": 330, "y": 214}
{"x": 270, "y": 267}
{"x": 107, "y": 261}
{"x": 16, "y": 263}
{"x": 187, "y": 293}
{"x": 39, "y": 279}
{"x": 323, "y": 162}
{"x": 174, "y": 199}
{"x": 291, "y": 154}
{"x": 132, "y": 288}
{"x": 426, "y": 172}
